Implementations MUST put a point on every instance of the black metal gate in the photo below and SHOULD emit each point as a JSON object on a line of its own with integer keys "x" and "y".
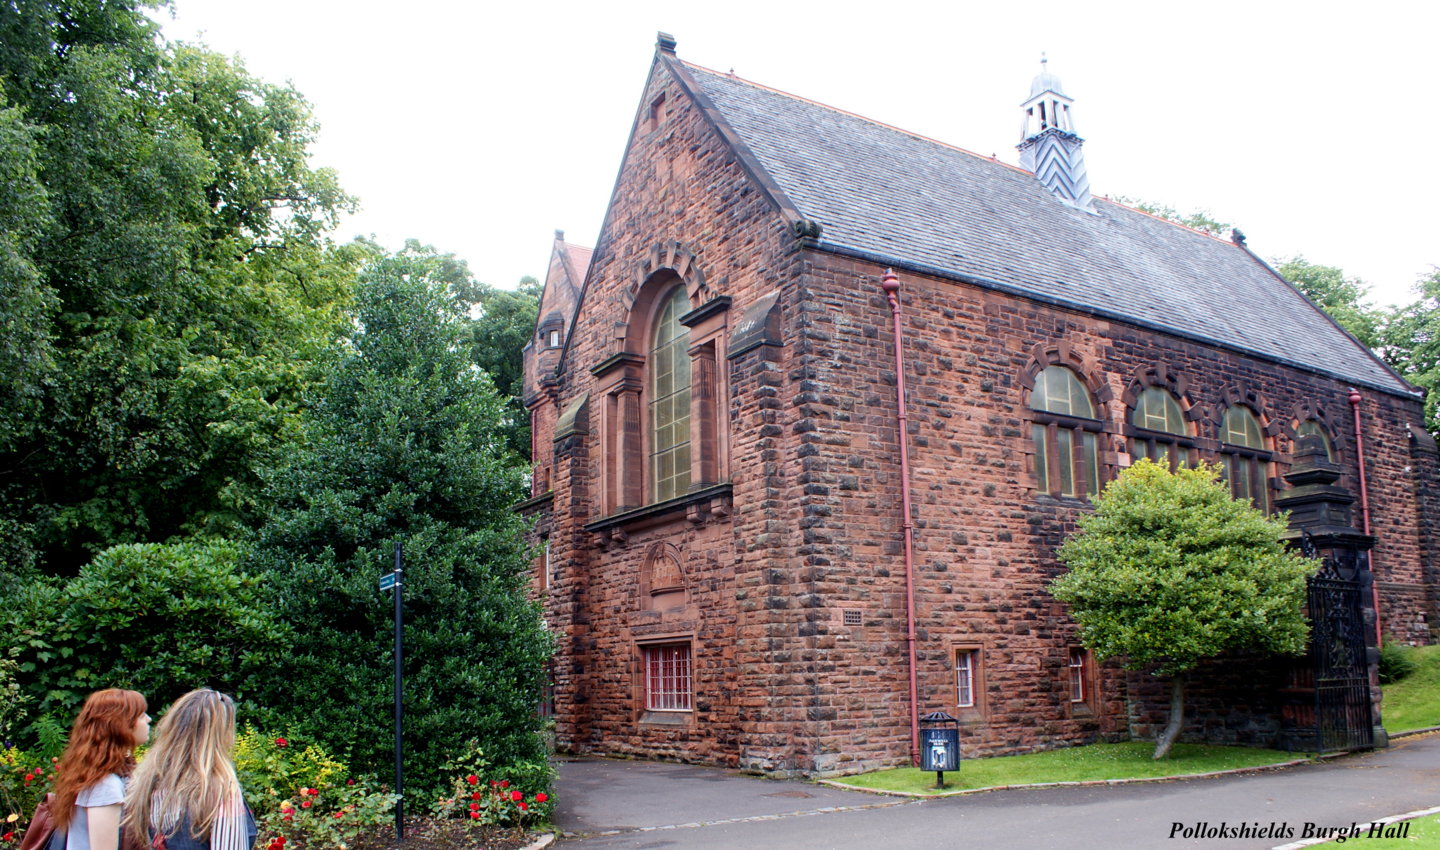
{"x": 1342, "y": 711}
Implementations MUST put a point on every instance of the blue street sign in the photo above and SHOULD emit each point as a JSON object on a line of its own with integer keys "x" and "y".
{"x": 387, "y": 581}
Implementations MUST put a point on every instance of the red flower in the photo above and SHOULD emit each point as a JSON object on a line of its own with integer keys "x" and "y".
{"x": 281, "y": 742}
{"x": 516, "y": 796}
{"x": 540, "y": 798}
{"x": 475, "y": 796}
{"x": 349, "y": 782}
{"x": 338, "y": 814}
{"x": 504, "y": 783}
{"x": 9, "y": 836}
{"x": 287, "y": 810}
{"x": 288, "y": 817}
{"x": 472, "y": 779}
{"x": 474, "y": 807}
{"x": 304, "y": 804}
{"x": 523, "y": 807}
{"x": 280, "y": 839}
{"x": 314, "y": 792}
{"x": 475, "y": 815}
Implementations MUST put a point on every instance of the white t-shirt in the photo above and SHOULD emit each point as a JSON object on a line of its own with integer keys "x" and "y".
{"x": 109, "y": 791}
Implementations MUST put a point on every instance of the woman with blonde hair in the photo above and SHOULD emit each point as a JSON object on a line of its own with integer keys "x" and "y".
{"x": 90, "y": 779}
{"x": 185, "y": 791}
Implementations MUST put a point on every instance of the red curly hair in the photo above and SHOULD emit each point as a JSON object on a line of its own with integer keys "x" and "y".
{"x": 102, "y": 742}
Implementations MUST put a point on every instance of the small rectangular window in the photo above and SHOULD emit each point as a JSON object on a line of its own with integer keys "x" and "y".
{"x": 554, "y": 339}
{"x": 965, "y": 678}
{"x": 1079, "y": 687}
{"x": 667, "y": 677}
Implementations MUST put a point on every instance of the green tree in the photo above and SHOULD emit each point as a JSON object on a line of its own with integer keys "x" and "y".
{"x": 164, "y": 276}
{"x": 1170, "y": 570}
{"x": 404, "y": 445}
{"x": 1410, "y": 343}
{"x": 1342, "y": 297}
{"x": 495, "y": 339}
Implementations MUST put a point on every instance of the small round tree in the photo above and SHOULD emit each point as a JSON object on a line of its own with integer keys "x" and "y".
{"x": 1170, "y": 570}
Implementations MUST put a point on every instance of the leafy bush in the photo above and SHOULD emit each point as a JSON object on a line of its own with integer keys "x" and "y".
{"x": 160, "y": 619}
{"x": 12, "y": 700}
{"x": 1396, "y": 662}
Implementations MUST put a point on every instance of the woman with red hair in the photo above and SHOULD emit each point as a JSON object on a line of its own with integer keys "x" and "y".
{"x": 90, "y": 781}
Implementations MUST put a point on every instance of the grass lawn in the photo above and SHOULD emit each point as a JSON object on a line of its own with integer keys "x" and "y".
{"x": 1424, "y": 832}
{"x": 1130, "y": 760}
{"x": 1414, "y": 702}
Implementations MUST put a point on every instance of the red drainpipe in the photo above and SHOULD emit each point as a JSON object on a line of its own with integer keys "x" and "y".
{"x": 1365, "y": 508}
{"x": 891, "y": 284}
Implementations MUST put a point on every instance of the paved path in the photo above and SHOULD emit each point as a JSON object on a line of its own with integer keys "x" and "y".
{"x": 631, "y": 804}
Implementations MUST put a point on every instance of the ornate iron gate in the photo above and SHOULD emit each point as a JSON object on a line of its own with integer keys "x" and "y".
{"x": 1342, "y": 712}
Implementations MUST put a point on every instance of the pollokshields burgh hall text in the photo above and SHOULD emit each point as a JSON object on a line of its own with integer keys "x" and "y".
{"x": 1256, "y": 829}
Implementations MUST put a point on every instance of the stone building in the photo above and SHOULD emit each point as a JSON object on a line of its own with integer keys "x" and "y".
{"x": 718, "y": 470}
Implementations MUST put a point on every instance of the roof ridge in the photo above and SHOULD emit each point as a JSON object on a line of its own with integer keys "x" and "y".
{"x": 901, "y": 130}
{"x": 1109, "y": 200}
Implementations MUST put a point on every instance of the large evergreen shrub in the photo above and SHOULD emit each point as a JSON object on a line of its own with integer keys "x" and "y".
{"x": 405, "y": 444}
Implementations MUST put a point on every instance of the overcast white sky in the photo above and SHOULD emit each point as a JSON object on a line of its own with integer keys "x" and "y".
{"x": 481, "y": 128}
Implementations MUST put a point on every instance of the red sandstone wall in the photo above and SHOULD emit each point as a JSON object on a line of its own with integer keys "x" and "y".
{"x": 782, "y": 683}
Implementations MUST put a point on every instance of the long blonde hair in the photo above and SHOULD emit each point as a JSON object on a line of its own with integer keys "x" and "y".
{"x": 188, "y": 770}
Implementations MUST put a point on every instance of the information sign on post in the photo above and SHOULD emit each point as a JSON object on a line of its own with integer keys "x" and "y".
{"x": 394, "y": 581}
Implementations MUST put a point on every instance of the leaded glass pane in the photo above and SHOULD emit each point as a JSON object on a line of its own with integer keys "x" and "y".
{"x": 1157, "y": 410}
{"x": 1092, "y": 462}
{"x": 1041, "y": 436}
{"x": 670, "y": 400}
{"x": 1065, "y": 446}
{"x": 1241, "y": 428}
{"x": 1058, "y": 390}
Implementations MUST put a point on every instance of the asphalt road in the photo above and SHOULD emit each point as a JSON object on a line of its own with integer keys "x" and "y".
{"x": 627, "y": 804}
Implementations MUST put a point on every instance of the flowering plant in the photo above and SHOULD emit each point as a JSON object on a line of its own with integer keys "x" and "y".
{"x": 484, "y": 797}
{"x": 24, "y": 779}
{"x": 303, "y": 794}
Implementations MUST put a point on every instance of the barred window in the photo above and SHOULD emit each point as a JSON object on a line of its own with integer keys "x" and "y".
{"x": 670, "y": 400}
{"x": 667, "y": 677}
{"x": 1065, "y": 433}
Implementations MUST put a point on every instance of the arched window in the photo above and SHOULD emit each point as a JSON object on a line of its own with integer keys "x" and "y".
{"x": 1065, "y": 429}
{"x": 1158, "y": 429}
{"x": 1312, "y": 428}
{"x": 670, "y": 399}
{"x": 1244, "y": 456}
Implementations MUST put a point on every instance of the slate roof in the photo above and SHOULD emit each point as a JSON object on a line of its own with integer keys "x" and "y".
{"x": 880, "y": 191}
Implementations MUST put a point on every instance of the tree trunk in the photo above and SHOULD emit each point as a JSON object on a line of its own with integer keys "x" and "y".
{"x": 1177, "y": 716}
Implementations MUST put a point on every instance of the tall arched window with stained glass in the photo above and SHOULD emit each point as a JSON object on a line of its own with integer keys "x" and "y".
{"x": 1066, "y": 434}
{"x": 670, "y": 399}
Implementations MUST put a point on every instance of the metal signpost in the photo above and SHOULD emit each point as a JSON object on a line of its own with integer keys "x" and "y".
{"x": 394, "y": 581}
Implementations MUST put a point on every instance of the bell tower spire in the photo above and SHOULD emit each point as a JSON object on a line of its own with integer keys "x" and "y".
{"x": 1049, "y": 147}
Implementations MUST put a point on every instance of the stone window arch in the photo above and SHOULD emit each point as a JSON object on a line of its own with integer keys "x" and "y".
{"x": 661, "y": 441}
{"x": 1065, "y": 429}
